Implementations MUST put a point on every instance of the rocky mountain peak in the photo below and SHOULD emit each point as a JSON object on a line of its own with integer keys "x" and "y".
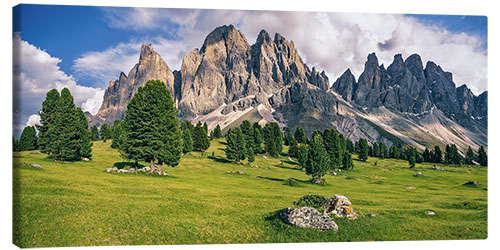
{"x": 263, "y": 37}
{"x": 146, "y": 50}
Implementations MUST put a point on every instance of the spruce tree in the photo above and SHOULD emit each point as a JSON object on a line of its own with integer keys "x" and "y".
{"x": 257, "y": 138}
{"x": 363, "y": 149}
{"x": 152, "y": 128}
{"x": 482, "y": 156}
{"x": 273, "y": 139}
{"x": 48, "y": 113}
{"x": 293, "y": 148}
{"x": 287, "y": 136}
{"x": 118, "y": 134}
{"x": 217, "y": 132}
{"x": 300, "y": 135}
{"x": 15, "y": 145}
{"x": 349, "y": 145}
{"x": 67, "y": 129}
{"x": 187, "y": 141}
{"x": 94, "y": 133}
{"x": 318, "y": 161}
{"x": 250, "y": 155}
{"x": 200, "y": 138}
{"x": 105, "y": 132}
{"x": 469, "y": 156}
{"x": 235, "y": 147}
{"x": 412, "y": 157}
{"x": 376, "y": 150}
{"x": 247, "y": 131}
{"x": 28, "y": 139}
{"x": 347, "y": 163}
{"x": 438, "y": 155}
{"x": 427, "y": 155}
{"x": 334, "y": 147}
{"x": 383, "y": 150}
{"x": 85, "y": 140}
{"x": 205, "y": 127}
{"x": 448, "y": 155}
{"x": 302, "y": 154}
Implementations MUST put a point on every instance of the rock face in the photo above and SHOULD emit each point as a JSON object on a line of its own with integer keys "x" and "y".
{"x": 228, "y": 80}
{"x": 309, "y": 218}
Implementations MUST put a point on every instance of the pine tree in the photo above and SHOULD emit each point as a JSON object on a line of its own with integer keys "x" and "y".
{"x": 152, "y": 128}
{"x": 383, "y": 150}
{"x": 85, "y": 141}
{"x": 287, "y": 136}
{"x": 347, "y": 163}
{"x": 200, "y": 138}
{"x": 300, "y": 135}
{"x": 456, "y": 158}
{"x": 412, "y": 157}
{"x": 28, "y": 139}
{"x": 94, "y": 133}
{"x": 273, "y": 139}
{"x": 482, "y": 156}
{"x": 363, "y": 149}
{"x": 257, "y": 138}
{"x": 293, "y": 149}
{"x": 48, "y": 113}
{"x": 15, "y": 145}
{"x": 438, "y": 155}
{"x": 250, "y": 155}
{"x": 247, "y": 131}
{"x": 469, "y": 156}
{"x": 302, "y": 153}
{"x": 205, "y": 127}
{"x": 118, "y": 134}
{"x": 318, "y": 161}
{"x": 427, "y": 155}
{"x": 235, "y": 147}
{"x": 105, "y": 132}
{"x": 376, "y": 150}
{"x": 187, "y": 141}
{"x": 217, "y": 132}
{"x": 349, "y": 145}
{"x": 334, "y": 147}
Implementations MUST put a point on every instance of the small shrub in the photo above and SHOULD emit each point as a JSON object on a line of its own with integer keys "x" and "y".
{"x": 292, "y": 182}
{"x": 312, "y": 200}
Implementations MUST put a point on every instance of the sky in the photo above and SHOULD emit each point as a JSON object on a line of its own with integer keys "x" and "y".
{"x": 83, "y": 48}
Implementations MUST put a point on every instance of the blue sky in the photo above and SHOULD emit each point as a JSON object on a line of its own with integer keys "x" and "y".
{"x": 85, "y": 47}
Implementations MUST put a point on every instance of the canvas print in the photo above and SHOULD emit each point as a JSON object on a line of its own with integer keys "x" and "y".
{"x": 158, "y": 126}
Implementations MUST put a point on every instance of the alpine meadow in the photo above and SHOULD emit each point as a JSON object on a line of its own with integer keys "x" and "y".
{"x": 245, "y": 143}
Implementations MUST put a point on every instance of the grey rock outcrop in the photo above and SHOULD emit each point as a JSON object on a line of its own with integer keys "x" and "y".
{"x": 308, "y": 217}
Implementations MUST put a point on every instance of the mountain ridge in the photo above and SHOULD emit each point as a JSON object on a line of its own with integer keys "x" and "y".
{"x": 231, "y": 76}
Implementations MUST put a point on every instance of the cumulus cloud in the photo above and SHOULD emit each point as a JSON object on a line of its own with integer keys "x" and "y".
{"x": 35, "y": 73}
{"x": 330, "y": 41}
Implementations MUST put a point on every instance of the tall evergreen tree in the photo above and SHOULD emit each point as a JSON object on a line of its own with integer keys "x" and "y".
{"x": 347, "y": 163}
{"x": 94, "y": 133}
{"x": 217, "y": 132}
{"x": 334, "y": 147}
{"x": 287, "y": 136}
{"x": 205, "y": 127}
{"x": 250, "y": 155}
{"x": 349, "y": 145}
{"x": 105, "y": 132}
{"x": 302, "y": 154}
{"x": 152, "y": 128}
{"x": 438, "y": 155}
{"x": 427, "y": 155}
{"x": 273, "y": 139}
{"x": 412, "y": 157}
{"x": 257, "y": 138}
{"x": 48, "y": 113}
{"x": 187, "y": 141}
{"x": 383, "y": 150}
{"x": 318, "y": 161}
{"x": 200, "y": 138}
{"x": 85, "y": 140}
{"x": 15, "y": 145}
{"x": 469, "y": 156}
{"x": 376, "y": 150}
{"x": 300, "y": 135}
{"x": 293, "y": 149}
{"x": 456, "y": 158}
{"x": 247, "y": 131}
{"x": 28, "y": 139}
{"x": 118, "y": 134}
{"x": 482, "y": 156}
{"x": 235, "y": 147}
{"x": 363, "y": 149}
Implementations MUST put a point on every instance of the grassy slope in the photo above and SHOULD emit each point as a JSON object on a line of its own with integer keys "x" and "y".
{"x": 75, "y": 204}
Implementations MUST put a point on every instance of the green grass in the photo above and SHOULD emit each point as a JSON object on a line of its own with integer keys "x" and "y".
{"x": 79, "y": 204}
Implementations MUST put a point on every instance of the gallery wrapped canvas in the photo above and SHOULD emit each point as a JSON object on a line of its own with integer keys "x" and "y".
{"x": 158, "y": 126}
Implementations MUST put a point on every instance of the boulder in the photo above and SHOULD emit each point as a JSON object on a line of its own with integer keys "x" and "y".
{"x": 371, "y": 215}
{"x": 122, "y": 171}
{"x": 429, "y": 212}
{"x": 85, "y": 159}
{"x": 471, "y": 183}
{"x": 340, "y": 206}
{"x": 36, "y": 165}
{"x": 308, "y": 217}
{"x": 418, "y": 174}
{"x": 132, "y": 171}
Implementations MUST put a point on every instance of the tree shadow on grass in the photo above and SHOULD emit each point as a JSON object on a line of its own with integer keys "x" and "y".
{"x": 271, "y": 178}
{"x": 291, "y": 162}
{"x": 223, "y": 142}
{"x": 285, "y": 167}
{"x": 219, "y": 159}
{"x": 121, "y": 165}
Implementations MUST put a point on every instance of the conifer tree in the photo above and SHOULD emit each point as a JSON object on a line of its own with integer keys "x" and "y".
{"x": 412, "y": 157}
{"x": 334, "y": 147}
{"x": 85, "y": 141}
{"x": 300, "y": 135}
{"x": 273, "y": 139}
{"x": 205, "y": 127}
{"x": 469, "y": 156}
{"x": 152, "y": 128}
{"x": 383, "y": 150}
{"x": 105, "y": 132}
{"x": 318, "y": 161}
{"x": 349, "y": 145}
{"x": 294, "y": 148}
{"x": 257, "y": 138}
{"x": 28, "y": 139}
{"x": 235, "y": 147}
{"x": 118, "y": 134}
{"x": 15, "y": 145}
{"x": 247, "y": 131}
{"x": 376, "y": 150}
{"x": 48, "y": 113}
{"x": 250, "y": 155}
{"x": 347, "y": 163}
{"x": 363, "y": 149}
{"x": 438, "y": 155}
{"x": 482, "y": 156}
{"x": 302, "y": 154}
{"x": 427, "y": 155}
{"x": 94, "y": 133}
{"x": 217, "y": 132}
{"x": 287, "y": 136}
{"x": 187, "y": 141}
{"x": 200, "y": 138}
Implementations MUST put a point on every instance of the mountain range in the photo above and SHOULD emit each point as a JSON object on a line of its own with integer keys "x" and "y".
{"x": 228, "y": 80}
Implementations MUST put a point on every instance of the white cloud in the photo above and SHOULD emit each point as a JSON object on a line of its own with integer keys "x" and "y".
{"x": 35, "y": 73}
{"x": 33, "y": 120}
{"x": 329, "y": 41}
